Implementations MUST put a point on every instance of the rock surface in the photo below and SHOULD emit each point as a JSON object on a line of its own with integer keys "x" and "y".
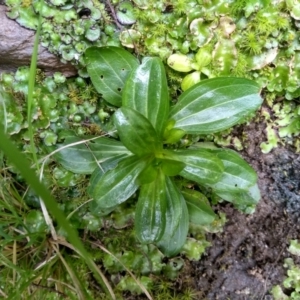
{"x": 16, "y": 45}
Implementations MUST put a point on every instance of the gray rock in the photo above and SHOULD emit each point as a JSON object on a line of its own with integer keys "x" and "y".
{"x": 16, "y": 45}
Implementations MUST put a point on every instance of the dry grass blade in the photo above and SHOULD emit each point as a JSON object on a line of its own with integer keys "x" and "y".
{"x": 77, "y": 208}
{"x": 3, "y": 294}
{"x": 75, "y": 279}
{"x": 62, "y": 283}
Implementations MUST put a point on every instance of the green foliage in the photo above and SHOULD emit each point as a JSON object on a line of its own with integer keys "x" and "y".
{"x": 128, "y": 284}
{"x": 233, "y": 99}
{"x": 291, "y": 282}
{"x": 92, "y": 152}
{"x": 183, "y": 63}
{"x": 110, "y": 80}
{"x": 141, "y": 84}
{"x": 196, "y": 204}
{"x": 177, "y": 216}
{"x": 258, "y": 40}
{"x": 286, "y": 117}
{"x": 294, "y": 247}
{"x": 142, "y": 124}
{"x": 59, "y": 105}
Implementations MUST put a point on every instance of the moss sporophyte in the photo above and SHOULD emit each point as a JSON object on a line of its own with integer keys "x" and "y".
{"x": 148, "y": 155}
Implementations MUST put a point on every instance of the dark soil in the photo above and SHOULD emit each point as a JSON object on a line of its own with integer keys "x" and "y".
{"x": 246, "y": 259}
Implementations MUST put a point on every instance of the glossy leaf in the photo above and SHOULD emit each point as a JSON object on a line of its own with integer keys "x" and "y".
{"x": 136, "y": 132}
{"x": 94, "y": 180}
{"x": 102, "y": 168}
{"x": 200, "y": 212}
{"x": 237, "y": 175}
{"x": 84, "y": 158}
{"x": 118, "y": 184}
{"x": 146, "y": 91}
{"x": 174, "y": 206}
{"x": 125, "y": 13}
{"x": 177, "y": 221}
{"x": 215, "y": 104}
{"x": 150, "y": 214}
{"x": 109, "y": 68}
{"x": 200, "y": 165}
{"x": 244, "y": 200}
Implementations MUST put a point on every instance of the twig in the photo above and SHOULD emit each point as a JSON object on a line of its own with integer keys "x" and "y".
{"x": 114, "y": 14}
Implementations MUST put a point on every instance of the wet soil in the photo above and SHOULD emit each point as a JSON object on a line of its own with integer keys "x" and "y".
{"x": 246, "y": 259}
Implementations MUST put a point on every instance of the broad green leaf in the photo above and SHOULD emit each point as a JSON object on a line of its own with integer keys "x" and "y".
{"x": 174, "y": 206}
{"x": 118, "y": 184}
{"x": 146, "y": 91}
{"x": 136, "y": 132}
{"x": 84, "y": 158}
{"x": 101, "y": 169}
{"x": 200, "y": 165}
{"x": 150, "y": 214}
{"x": 237, "y": 175}
{"x": 109, "y": 68}
{"x": 94, "y": 180}
{"x": 238, "y": 182}
{"x": 112, "y": 162}
{"x": 215, "y": 104}
{"x": 200, "y": 212}
{"x": 244, "y": 200}
{"x": 177, "y": 221}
